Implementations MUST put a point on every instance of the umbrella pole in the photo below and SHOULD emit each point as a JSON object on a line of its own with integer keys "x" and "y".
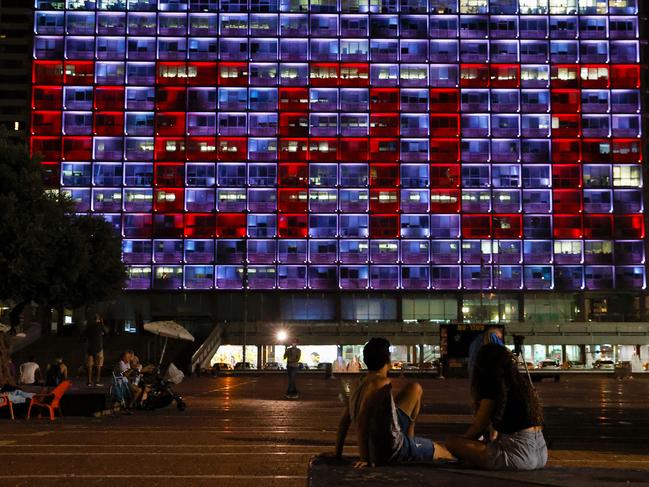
{"x": 164, "y": 347}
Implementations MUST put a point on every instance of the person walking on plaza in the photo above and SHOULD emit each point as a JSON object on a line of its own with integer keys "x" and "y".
{"x": 292, "y": 356}
{"x": 95, "y": 349}
{"x": 508, "y": 416}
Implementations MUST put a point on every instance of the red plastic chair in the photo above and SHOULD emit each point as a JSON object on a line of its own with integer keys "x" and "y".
{"x": 6, "y": 402}
{"x": 50, "y": 401}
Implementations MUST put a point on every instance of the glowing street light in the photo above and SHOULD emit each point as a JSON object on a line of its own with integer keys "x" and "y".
{"x": 282, "y": 336}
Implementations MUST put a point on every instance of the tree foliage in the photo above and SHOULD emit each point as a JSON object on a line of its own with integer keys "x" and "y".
{"x": 49, "y": 255}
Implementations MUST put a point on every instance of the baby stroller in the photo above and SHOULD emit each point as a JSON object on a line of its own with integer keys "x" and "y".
{"x": 159, "y": 390}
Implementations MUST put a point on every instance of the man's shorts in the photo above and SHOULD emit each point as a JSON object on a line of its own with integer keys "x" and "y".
{"x": 96, "y": 359}
{"x": 413, "y": 449}
{"x": 524, "y": 450}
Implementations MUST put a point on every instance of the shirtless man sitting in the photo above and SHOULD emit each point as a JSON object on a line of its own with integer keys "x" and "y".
{"x": 385, "y": 424}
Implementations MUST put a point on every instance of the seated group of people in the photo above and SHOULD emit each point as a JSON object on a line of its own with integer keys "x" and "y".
{"x": 506, "y": 432}
{"x": 128, "y": 375}
{"x": 29, "y": 373}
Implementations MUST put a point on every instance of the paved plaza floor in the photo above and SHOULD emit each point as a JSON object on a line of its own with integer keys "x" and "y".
{"x": 240, "y": 431}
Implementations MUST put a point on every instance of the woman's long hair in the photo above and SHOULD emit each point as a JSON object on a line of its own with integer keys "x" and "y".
{"x": 496, "y": 370}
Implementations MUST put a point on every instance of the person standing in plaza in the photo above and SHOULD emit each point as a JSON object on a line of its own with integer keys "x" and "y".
{"x": 95, "y": 349}
{"x": 292, "y": 356}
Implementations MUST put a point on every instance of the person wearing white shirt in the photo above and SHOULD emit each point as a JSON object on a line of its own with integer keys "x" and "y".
{"x": 30, "y": 372}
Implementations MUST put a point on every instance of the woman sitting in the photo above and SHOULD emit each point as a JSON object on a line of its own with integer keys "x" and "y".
{"x": 508, "y": 416}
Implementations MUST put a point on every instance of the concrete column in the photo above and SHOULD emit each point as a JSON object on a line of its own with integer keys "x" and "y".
{"x": 415, "y": 359}
{"x": 421, "y": 354}
{"x": 564, "y": 355}
{"x": 260, "y": 360}
{"x": 582, "y": 354}
{"x": 408, "y": 354}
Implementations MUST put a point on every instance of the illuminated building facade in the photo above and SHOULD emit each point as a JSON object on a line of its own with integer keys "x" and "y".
{"x": 350, "y": 144}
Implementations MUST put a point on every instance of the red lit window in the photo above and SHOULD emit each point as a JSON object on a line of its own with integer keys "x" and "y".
{"x": 354, "y": 150}
{"x": 48, "y": 72}
{"x": 49, "y": 148}
{"x": 79, "y": 72}
{"x": 564, "y": 76}
{"x": 505, "y": 75}
{"x": 567, "y": 226}
{"x": 474, "y": 76}
{"x": 292, "y": 226}
{"x": 594, "y": 76}
{"x": 384, "y": 125}
{"x": 476, "y": 226}
{"x": 566, "y": 151}
{"x": 354, "y": 74}
{"x": 444, "y": 200}
{"x": 77, "y": 148}
{"x": 293, "y": 149}
{"x": 293, "y": 99}
{"x": 51, "y": 174}
{"x": 566, "y": 101}
{"x": 384, "y": 175}
{"x": 566, "y": 176}
{"x": 170, "y": 123}
{"x": 204, "y": 149}
{"x": 172, "y": 73}
{"x": 169, "y": 199}
{"x": 109, "y": 98}
{"x": 384, "y": 99}
{"x": 170, "y": 175}
{"x": 598, "y": 226}
{"x": 323, "y": 150}
{"x": 293, "y": 200}
{"x": 324, "y": 74}
{"x": 384, "y": 150}
{"x": 596, "y": 150}
{"x": 507, "y": 226}
{"x": 444, "y": 150}
{"x": 169, "y": 149}
{"x": 200, "y": 225}
{"x": 231, "y": 225}
{"x": 626, "y": 151}
{"x": 294, "y": 124}
{"x": 566, "y": 125}
{"x": 109, "y": 123}
{"x": 384, "y": 226}
{"x": 47, "y": 97}
{"x": 170, "y": 99}
{"x": 566, "y": 200}
{"x": 168, "y": 225}
{"x": 625, "y": 76}
{"x": 293, "y": 175}
{"x": 233, "y": 74}
{"x": 629, "y": 226}
{"x": 443, "y": 125}
{"x": 445, "y": 176}
{"x": 444, "y": 101}
{"x": 201, "y": 74}
{"x": 384, "y": 200}
{"x": 46, "y": 123}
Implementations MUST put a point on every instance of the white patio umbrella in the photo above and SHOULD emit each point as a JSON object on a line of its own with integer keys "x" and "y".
{"x": 168, "y": 329}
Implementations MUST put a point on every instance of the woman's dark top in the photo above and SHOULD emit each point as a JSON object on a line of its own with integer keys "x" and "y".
{"x": 516, "y": 416}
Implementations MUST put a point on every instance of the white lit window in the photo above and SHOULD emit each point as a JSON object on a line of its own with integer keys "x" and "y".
{"x": 627, "y": 176}
{"x": 567, "y": 247}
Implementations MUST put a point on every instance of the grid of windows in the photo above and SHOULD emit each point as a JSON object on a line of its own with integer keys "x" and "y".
{"x": 324, "y": 144}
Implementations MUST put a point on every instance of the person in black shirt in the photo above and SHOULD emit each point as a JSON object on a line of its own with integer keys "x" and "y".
{"x": 508, "y": 416}
{"x": 94, "y": 335}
